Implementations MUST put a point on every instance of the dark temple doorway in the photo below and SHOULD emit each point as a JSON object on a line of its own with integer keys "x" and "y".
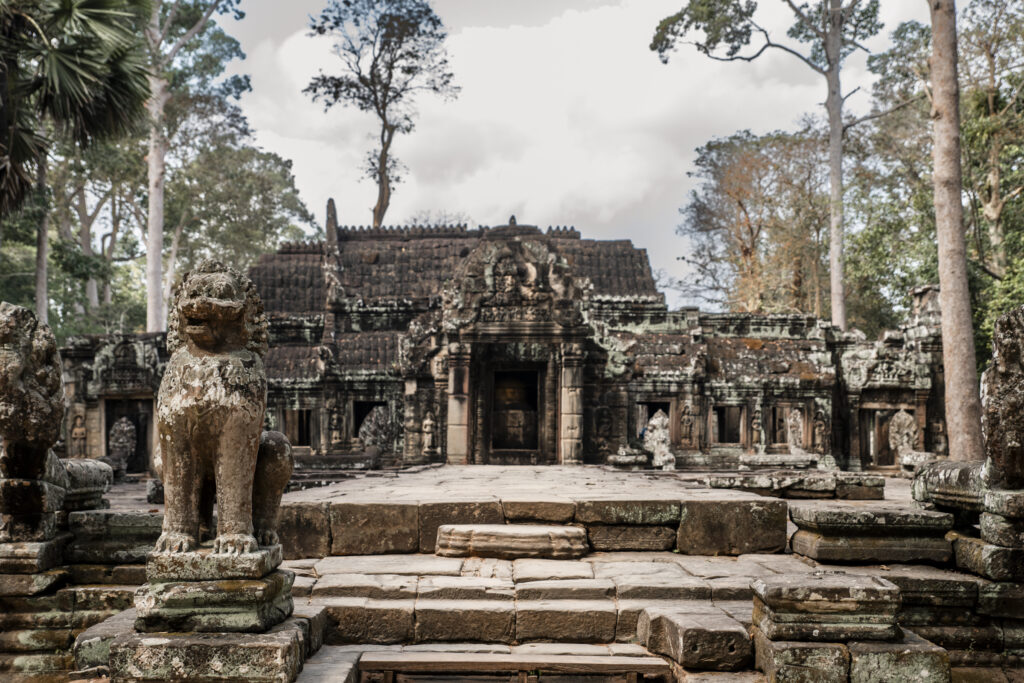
{"x": 514, "y": 411}
{"x": 140, "y": 413}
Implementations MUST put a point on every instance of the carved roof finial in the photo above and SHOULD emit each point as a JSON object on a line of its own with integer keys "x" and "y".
{"x": 512, "y": 219}
{"x": 332, "y": 223}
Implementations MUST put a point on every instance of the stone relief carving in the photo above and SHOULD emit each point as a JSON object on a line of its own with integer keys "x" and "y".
{"x": 120, "y": 445}
{"x": 902, "y": 433}
{"x": 1003, "y": 405}
{"x": 210, "y": 416}
{"x": 686, "y": 426}
{"x": 656, "y": 442}
{"x": 78, "y": 434}
{"x": 795, "y": 430}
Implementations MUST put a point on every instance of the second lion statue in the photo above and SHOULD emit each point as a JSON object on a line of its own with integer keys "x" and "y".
{"x": 210, "y": 412}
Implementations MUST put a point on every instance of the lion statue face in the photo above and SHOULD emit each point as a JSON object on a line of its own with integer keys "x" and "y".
{"x": 216, "y": 309}
{"x": 31, "y": 388}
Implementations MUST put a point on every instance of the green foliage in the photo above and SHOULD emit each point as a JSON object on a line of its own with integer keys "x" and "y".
{"x": 77, "y": 64}
{"x": 723, "y": 22}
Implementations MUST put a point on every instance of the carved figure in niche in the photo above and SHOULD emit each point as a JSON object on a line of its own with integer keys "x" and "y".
{"x": 120, "y": 445}
{"x": 78, "y": 434}
{"x": 686, "y": 421}
{"x": 1002, "y": 397}
{"x": 902, "y": 433}
{"x": 210, "y": 415}
{"x": 821, "y": 433}
{"x": 378, "y": 430}
{"x": 795, "y": 430}
{"x": 656, "y": 442}
{"x": 757, "y": 428}
{"x": 429, "y": 425}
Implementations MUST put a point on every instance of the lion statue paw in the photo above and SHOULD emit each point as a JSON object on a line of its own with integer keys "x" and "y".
{"x": 173, "y": 542}
{"x": 234, "y": 544}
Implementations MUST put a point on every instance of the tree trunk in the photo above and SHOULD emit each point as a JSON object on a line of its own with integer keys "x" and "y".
{"x": 155, "y": 318}
{"x": 963, "y": 401}
{"x": 172, "y": 260}
{"x": 383, "y": 178}
{"x": 42, "y": 247}
{"x": 834, "y": 106}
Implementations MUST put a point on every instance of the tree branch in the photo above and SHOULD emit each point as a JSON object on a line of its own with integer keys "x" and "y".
{"x": 805, "y": 19}
{"x": 880, "y": 114}
{"x": 189, "y": 34}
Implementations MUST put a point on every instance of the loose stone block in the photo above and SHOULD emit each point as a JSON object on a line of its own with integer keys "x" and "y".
{"x": 990, "y": 561}
{"x": 304, "y": 530}
{"x": 834, "y": 518}
{"x": 375, "y": 586}
{"x": 732, "y": 527}
{"x": 367, "y": 528}
{"x": 620, "y": 538}
{"x": 359, "y": 620}
{"x": 235, "y": 605}
{"x": 434, "y": 514}
{"x": 928, "y": 586}
{"x": 645, "y": 621}
{"x": 204, "y": 565}
{"x": 23, "y": 496}
{"x": 35, "y": 640}
{"x": 627, "y": 512}
{"x": 121, "y": 551}
{"x": 1004, "y": 531}
{"x": 268, "y": 657}
{"x": 1005, "y": 503}
{"x": 580, "y": 621}
{"x": 92, "y": 646}
{"x": 859, "y": 486}
{"x": 851, "y": 548}
{"x": 36, "y": 526}
{"x": 566, "y": 589}
{"x": 32, "y": 584}
{"x": 489, "y": 621}
{"x": 511, "y": 541}
{"x": 713, "y": 642}
{"x": 32, "y": 557}
{"x": 799, "y": 662}
{"x": 31, "y": 666}
{"x": 911, "y": 659}
{"x": 826, "y": 606}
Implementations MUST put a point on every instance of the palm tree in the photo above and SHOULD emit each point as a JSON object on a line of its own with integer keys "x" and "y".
{"x": 75, "y": 66}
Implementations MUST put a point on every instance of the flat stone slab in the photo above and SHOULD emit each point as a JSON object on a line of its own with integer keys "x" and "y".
{"x": 32, "y": 557}
{"x": 455, "y": 663}
{"x": 625, "y": 538}
{"x": 547, "y": 570}
{"x": 873, "y": 548}
{"x": 869, "y": 519}
{"x": 204, "y": 565}
{"x": 32, "y": 584}
{"x": 408, "y": 565}
{"x": 578, "y": 621}
{"x": 376, "y": 586}
{"x": 511, "y": 541}
{"x": 990, "y": 561}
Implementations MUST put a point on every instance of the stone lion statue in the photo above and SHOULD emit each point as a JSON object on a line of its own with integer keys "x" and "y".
{"x": 210, "y": 416}
{"x": 31, "y": 389}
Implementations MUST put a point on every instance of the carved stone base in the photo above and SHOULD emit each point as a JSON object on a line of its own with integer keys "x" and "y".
{"x": 32, "y": 557}
{"x": 276, "y": 655}
{"x": 227, "y": 606}
{"x": 203, "y": 565}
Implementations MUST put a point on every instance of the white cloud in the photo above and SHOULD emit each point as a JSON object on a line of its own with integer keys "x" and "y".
{"x": 564, "y": 117}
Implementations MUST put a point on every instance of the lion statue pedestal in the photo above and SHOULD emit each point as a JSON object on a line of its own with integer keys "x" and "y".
{"x": 210, "y": 413}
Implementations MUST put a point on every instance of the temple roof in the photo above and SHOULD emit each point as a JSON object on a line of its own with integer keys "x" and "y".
{"x": 414, "y": 264}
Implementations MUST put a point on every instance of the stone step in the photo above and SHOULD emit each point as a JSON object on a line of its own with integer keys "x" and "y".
{"x": 512, "y": 541}
{"x": 455, "y": 663}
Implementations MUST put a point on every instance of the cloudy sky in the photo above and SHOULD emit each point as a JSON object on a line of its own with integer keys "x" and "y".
{"x": 565, "y": 115}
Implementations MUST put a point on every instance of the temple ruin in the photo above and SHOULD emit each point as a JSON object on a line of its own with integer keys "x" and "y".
{"x": 512, "y": 345}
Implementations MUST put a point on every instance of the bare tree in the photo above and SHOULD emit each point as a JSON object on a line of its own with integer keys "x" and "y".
{"x": 390, "y": 50}
{"x": 963, "y": 401}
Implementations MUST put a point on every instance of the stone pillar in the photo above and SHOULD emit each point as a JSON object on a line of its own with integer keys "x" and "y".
{"x": 570, "y": 406}
{"x": 458, "y": 404}
{"x": 921, "y": 415}
{"x": 853, "y": 460}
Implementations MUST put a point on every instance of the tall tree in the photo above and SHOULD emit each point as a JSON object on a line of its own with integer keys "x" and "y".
{"x": 833, "y": 30}
{"x": 390, "y": 50}
{"x": 963, "y": 401}
{"x": 74, "y": 65}
{"x": 171, "y": 39}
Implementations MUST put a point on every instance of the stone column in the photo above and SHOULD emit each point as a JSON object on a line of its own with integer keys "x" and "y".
{"x": 570, "y": 406}
{"x": 458, "y": 404}
{"x": 853, "y": 460}
{"x": 921, "y": 415}
{"x": 411, "y": 424}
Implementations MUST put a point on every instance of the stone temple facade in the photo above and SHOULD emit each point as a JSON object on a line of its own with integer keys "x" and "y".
{"x": 513, "y": 345}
